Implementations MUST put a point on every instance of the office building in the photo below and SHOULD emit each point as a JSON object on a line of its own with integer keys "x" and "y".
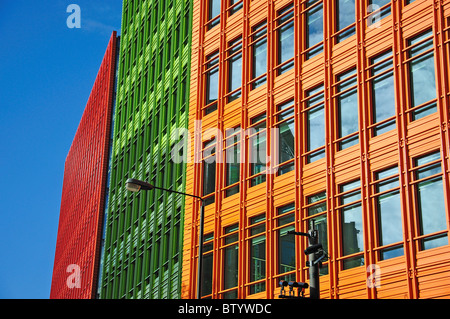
{"x": 144, "y": 231}
{"x": 84, "y": 192}
{"x": 326, "y": 112}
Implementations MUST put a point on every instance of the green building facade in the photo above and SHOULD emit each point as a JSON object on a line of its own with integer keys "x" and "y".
{"x": 143, "y": 232}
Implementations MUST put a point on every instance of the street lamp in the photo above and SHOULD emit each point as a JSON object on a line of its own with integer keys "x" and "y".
{"x": 135, "y": 185}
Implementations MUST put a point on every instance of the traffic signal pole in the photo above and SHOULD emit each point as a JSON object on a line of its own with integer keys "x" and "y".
{"x": 314, "y": 284}
{"x": 313, "y": 238}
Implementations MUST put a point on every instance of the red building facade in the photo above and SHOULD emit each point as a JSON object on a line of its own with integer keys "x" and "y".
{"x": 78, "y": 245}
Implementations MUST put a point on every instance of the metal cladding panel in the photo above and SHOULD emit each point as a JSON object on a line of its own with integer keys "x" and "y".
{"x": 143, "y": 242}
{"x": 307, "y": 48}
{"x": 84, "y": 189}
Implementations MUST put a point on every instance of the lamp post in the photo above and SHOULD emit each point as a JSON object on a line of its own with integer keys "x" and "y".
{"x": 135, "y": 185}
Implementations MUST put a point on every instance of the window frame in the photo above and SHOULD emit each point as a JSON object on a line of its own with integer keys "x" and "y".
{"x": 414, "y": 110}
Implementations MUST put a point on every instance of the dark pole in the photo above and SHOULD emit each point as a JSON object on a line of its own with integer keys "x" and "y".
{"x": 200, "y": 251}
{"x": 314, "y": 288}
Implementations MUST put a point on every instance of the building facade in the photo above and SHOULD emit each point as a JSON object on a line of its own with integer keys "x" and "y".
{"x": 144, "y": 231}
{"x": 326, "y": 113}
{"x": 78, "y": 246}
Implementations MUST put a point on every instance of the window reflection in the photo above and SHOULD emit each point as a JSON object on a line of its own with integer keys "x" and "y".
{"x": 286, "y": 242}
{"x": 314, "y": 27}
{"x": 389, "y": 213}
{"x": 345, "y": 17}
{"x": 383, "y": 92}
{"x": 422, "y": 76}
{"x": 315, "y": 117}
{"x": 347, "y": 109}
{"x": 286, "y": 38}
{"x": 430, "y": 200}
{"x": 352, "y": 224}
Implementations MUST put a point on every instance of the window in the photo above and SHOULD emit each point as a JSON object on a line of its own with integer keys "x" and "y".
{"x": 315, "y": 122}
{"x": 234, "y": 69}
{"x": 317, "y": 217}
{"x": 212, "y": 83}
{"x": 207, "y": 265}
{"x": 233, "y": 160}
{"x": 213, "y": 17}
{"x": 286, "y": 242}
{"x": 345, "y": 19}
{"x": 377, "y": 10}
{"x": 389, "y": 213}
{"x": 259, "y": 55}
{"x": 430, "y": 206}
{"x": 285, "y": 33}
{"x": 286, "y": 137}
{"x": 347, "y": 109}
{"x": 257, "y": 245}
{"x": 352, "y": 238}
{"x": 257, "y": 146}
{"x": 209, "y": 171}
{"x": 234, "y": 6}
{"x": 422, "y": 85}
{"x": 383, "y": 93}
{"x": 314, "y": 28}
{"x": 230, "y": 261}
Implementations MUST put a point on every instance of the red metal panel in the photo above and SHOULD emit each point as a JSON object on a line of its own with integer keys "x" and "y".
{"x": 79, "y": 236}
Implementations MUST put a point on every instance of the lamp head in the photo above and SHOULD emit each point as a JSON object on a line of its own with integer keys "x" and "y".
{"x": 313, "y": 249}
{"x": 135, "y": 185}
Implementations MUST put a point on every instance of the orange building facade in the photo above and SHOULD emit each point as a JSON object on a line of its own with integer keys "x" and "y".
{"x": 332, "y": 113}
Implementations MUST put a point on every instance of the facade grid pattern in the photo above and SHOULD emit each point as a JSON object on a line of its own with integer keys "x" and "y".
{"x": 78, "y": 246}
{"x": 144, "y": 231}
{"x": 359, "y": 94}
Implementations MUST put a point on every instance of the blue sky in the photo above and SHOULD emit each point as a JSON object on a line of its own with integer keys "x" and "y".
{"x": 47, "y": 71}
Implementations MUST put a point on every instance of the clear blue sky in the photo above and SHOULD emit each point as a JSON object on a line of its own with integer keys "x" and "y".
{"x": 46, "y": 74}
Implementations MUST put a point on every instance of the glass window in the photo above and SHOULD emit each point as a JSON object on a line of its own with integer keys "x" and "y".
{"x": 347, "y": 104}
{"x": 286, "y": 242}
{"x": 231, "y": 261}
{"x": 212, "y": 82}
{"x": 383, "y": 93}
{"x": 232, "y": 157}
{"x": 389, "y": 213}
{"x": 422, "y": 83}
{"x": 286, "y": 137}
{"x": 314, "y": 28}
{"x": 234, "y": 69}
{"x": 317, "y": 213}
{"x": 377, "y": 10}
{"x": 209, "y": 171}
{"x": 259, "y": 55}
{"x": 352, "y": 238}
{"x": 315, "y": 122}
{"x": 207, "y": 264}
{"x": 286, "y": 40}
{"x": 345, "y": 20}
{"x": 257, "y": 141}
{"x": 430, "y": 200}
{"x": 213, "y": 13}
{"x": 257, "y": 244}
{"x": 234, "y": 6}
